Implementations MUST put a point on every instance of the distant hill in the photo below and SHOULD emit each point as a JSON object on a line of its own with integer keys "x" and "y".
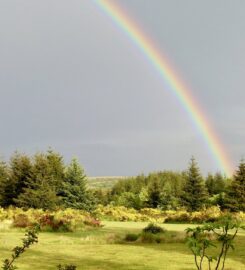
{"x": 104, "y": 182}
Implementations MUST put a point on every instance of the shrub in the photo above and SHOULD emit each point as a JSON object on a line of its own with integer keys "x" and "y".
{"x": 48, "y": 222}
{"x": 199, "y": 241}
{"x": 21, "y": 221}
{"x": 166, "y": 237}
{"x": 154, "y": 229}
{"x": 93, "y": 222}
{"x": 147, "y": 237}
{"x": 131, "y": 237}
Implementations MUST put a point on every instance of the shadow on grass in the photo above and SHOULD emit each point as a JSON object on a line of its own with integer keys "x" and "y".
{"x": 44, "y": 260}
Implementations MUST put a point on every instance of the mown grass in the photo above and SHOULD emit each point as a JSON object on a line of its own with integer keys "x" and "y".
{"x": 101, "y": 249}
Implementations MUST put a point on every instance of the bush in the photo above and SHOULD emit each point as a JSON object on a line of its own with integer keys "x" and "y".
{"x": 60, "y": 220}
{"x": 154, "y": 229}
{"x": 131, "y": 237}
{"x": 93, "y": 222}
{"x": 21, "y": 221}
{"x": 166, "y": 237}
{"x": 199, "y": 241}
{"x": 147, "y": 237}
{"x": 48, "y": 222}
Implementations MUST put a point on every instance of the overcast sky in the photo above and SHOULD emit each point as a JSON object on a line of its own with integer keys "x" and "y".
{"x": 71, "y": 79}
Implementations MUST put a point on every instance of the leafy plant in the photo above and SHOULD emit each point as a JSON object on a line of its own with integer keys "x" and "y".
{"x": 30, "y": 239}
{"x": 218, "y": 235}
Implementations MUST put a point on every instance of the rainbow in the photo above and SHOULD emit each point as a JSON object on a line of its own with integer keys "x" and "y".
{"x": 177, "y": 87}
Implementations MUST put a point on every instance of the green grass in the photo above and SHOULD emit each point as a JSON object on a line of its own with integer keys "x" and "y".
{"x": 100, "y": 249}
{"x": 104, "y": 182}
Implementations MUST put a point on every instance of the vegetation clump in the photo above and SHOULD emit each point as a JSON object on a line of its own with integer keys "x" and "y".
{"x": 218, "y": 235}
{"x": 153, "y": 228}
{"x": 66, "y": 267}
{"x": 131, "y": 237}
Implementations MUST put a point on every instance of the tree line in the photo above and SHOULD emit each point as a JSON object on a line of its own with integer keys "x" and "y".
{"x": 174, "y": 190}
{"x": 45, "y": 181}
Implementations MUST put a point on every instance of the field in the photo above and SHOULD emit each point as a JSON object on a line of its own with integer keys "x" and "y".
{"x": 100, "y": 249}
{"x": 104, "y": 182}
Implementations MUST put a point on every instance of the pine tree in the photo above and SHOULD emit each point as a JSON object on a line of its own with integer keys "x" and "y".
{"x": 210, "y": 184}
{"x": 43, "y": 184}
{"x": 4, "y": 179}
{"x": 236, "y": 192}
{"x": 194, "y": 192}
{"x": 215, "y": 184}
{"x": 19, "y": 172}
{"x": 154, "y": 193}
{"x": 74, "y": 192}
{"x": 220, "y": 183}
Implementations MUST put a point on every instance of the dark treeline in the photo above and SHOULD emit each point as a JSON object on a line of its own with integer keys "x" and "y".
{"x": 174, "y": 190}
{"x": 45, "y": 181}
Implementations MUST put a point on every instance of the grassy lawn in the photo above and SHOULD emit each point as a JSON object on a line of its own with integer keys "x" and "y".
{"x": 99, "y": 249}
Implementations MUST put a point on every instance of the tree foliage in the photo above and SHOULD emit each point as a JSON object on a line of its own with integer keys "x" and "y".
{"x": 74, "y": 191}
{"x": 194, "y": 192}
{"x": 236, "y": 192}
{"x": 220, "y": 235}
{"x": 46, "y": 177}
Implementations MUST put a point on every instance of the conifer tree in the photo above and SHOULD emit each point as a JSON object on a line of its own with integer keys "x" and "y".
{"x": 220, "y": 183}
{"x": 236, "y": 193}
{"x": 194, "y": 192}
{"x": 4, "y": 179}
{"x": 215, "y": 184}
{"x": 154, "y": 193}
{"x": 74, "y": 192}
{"x": 19, "y": 172}
{"x": 42, "y": 186}
{"x": 210, "y": 184}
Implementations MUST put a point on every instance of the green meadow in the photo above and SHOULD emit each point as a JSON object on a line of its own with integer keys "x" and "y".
{"x": 103, "y": 249}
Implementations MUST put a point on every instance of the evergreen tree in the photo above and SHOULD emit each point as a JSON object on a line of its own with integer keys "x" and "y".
{"x": 154, "y": 193}
{"x": 56, "y": 168}
{"x": 4, "y": 179}
{"x": 220, "y": 183}
{"x": 19, "y": 172}
{"x": 236, "y": 193}
{"x": 210, "y": 184}
{"x": 74, "y": 192}
{"x": 194, "y": 192}
{"x": 42, "y": 186}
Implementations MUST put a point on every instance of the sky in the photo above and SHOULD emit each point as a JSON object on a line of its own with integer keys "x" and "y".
{"x": 71, "y": 80}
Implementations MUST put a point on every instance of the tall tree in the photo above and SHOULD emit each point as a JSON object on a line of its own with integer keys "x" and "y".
{"x": 4, "y": 179}
{"x": 236, "y": 193}
{"x": 154, "y": 193}
{"x": 210, "y": 184}
{"x": 56, "y": 168}
{"x": 215, "y": 184}
{"x": 74, "y": 191}
{"x": 44, "y": 183}
{"x": 194, "y": 192}
{"x": 20, "y": 168}
{"x": 220, "y": 183}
